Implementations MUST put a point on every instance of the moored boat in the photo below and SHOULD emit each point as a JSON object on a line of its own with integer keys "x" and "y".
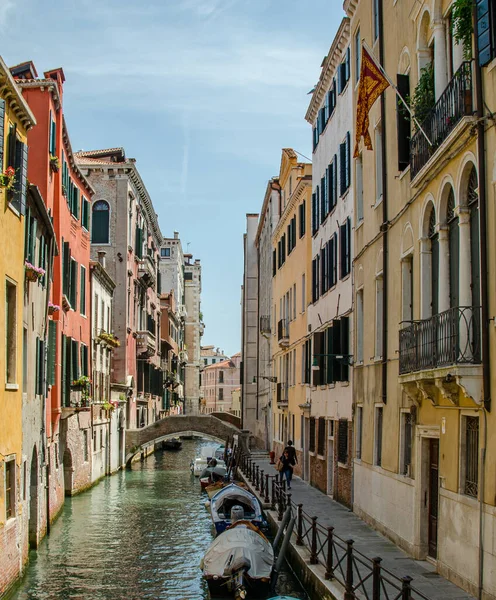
{"x": 234, "y": 495}
{"x": 172, "y": 444}
{"x": 239, "y": 563}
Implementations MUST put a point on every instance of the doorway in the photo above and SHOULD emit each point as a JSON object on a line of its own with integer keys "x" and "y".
{"x": 330, "y": 467}
{"x": 68, "y": 472}
{"x": 33, "y": 501}
{"x": 433, "y": 497}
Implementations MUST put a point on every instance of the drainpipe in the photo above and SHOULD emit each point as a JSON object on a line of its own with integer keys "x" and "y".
{"x": 258, "y": 328}
{"x": 486, "y": 373}
{"x": 384, "y": 226}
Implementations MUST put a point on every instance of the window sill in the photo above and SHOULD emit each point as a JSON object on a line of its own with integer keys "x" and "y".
{"x": 320, "y": 456}
{"x": 359, "y": 224}
{"x": 14, "y": 209}
{"x": 342, "y": 465}
{"x": 404, "y": 173}
{"x": 491, "y": 65}
{"x": 11, "y": 387}
{"x": 345, "y": 383}
{"x": 378, "y": 202}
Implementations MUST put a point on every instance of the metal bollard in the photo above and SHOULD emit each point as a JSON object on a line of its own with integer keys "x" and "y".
{"x": 376, "y": 578}
{"x": 262, "y": 482}
{"x": 313, "y": 546}
{"x": 349, "y": 594}
{"x": 280, "y": 503}
{"x": 266, "y": 499}
{"x": 257, "y": 478}
{"x": 406, "y": 588}
{"x": 273, "y": 500}
{"x": 299, "y": 526}
{"x": 329, "y": 574}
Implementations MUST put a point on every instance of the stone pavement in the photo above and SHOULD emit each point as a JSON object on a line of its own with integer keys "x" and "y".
{"x": 368, "y": 541}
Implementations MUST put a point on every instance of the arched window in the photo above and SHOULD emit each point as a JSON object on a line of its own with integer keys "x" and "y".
{"x": 473, "y": 207}
{"x": 434, "y": 243}
{"x": 100, "y": 223}
{"x": 454, "y": 250}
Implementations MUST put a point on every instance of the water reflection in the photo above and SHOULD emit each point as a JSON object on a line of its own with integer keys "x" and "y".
{"x": 139, "y": 534}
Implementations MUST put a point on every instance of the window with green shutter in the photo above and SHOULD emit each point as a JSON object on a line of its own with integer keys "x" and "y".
{"x": 66, "y": 268}
{"x": 2, "y": 128}
{"x": 84, "y": 359}
{"x": 74, "y": 360}
{"x": 40, "y": 367}
{"x": 85, "y": 214}
{"x": 100, "y": 223}
{"x": 52, "y": 347}
{"x": 82, "y": 297}
{"x": 73, "y": 283}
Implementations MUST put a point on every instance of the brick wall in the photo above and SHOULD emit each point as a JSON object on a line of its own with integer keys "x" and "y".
{"x": 10, "y": 556}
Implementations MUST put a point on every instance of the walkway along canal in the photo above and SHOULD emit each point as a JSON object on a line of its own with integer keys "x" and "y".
{"x": 139, "y": 534}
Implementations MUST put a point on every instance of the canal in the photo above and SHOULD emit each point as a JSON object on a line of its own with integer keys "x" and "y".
{"x": 139, "y": 534}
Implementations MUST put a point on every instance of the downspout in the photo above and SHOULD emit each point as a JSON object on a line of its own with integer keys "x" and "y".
{"x": 243, "y": 355}
{"x": 486, "y": 373}
{"x": 384, "y": 226}
{"x": 258, "y": 329}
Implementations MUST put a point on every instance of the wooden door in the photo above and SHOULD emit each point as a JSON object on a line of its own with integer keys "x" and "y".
{"x": 433, "y": 495}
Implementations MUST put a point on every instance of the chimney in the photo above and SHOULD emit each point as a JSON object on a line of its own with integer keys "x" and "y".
{"x": 176, "y": 235}
{"x": 101, "y": 257}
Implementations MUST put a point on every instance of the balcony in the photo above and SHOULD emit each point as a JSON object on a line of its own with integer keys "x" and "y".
{"x": 454, "y": 104}
{"x": 442, "y": 354}
{"x": 283, "y": 333}
{"x": 146, "y": 270}
{"x": 282, "y": 395}
{"x": 145, "y": 344}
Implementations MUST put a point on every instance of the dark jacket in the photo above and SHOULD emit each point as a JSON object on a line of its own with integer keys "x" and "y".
{"x": 286, "y": 463}
{"x": 292, "y": 454}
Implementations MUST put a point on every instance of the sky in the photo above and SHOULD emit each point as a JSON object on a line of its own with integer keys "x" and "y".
{"x": 204, "y": 94}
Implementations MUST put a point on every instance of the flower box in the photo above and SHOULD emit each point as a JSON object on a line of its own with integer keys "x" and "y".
{"x": 54, "y": 163}
{"x": 33, "y": 273}
{"x": 53, "y": 308}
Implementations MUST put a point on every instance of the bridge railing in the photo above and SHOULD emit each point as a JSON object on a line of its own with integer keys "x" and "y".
{"x": 361, "y": 576}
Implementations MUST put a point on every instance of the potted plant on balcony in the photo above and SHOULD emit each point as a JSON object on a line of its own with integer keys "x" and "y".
{"x": 424, "y": 98}
{"x": 54, "y": 163}
{"x": 32, "y": 272}
{"x": 83, "y": 385}
{"x": 109, "y": 338}
{"x": 7, "y": 178}
{"x": 462, "y": 26}
{"x": 53, "y": 308}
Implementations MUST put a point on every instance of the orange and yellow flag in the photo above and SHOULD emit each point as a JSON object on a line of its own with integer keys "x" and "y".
{"x": 372, "y": 84}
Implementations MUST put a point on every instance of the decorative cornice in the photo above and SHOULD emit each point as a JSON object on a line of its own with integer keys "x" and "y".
{"x": 329, "y": 67}
{"x": 71, "y": 159}
{"x": 303, "y": 184}
{"x": 273, "y": 184}
{"x": 10, "y": 92}
{"x": 49, "y": 84}
{"x": 101, "y": 273}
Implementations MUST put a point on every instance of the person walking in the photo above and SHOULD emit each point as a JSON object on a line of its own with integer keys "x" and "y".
{"x": 290, "y": 449}
{"x": 287, "y": 468}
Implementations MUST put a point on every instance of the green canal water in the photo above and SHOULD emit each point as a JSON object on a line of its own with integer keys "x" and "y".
{"x": 137, "y": 535}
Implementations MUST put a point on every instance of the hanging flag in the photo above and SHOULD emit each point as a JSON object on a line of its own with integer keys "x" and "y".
{"x": 372, "y": 84}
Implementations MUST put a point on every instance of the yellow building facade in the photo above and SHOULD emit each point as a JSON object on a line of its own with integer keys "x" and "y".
{"x": 15, "y": 120}
{"x": 419, "y": 410}
{"x": 291, "y": 252}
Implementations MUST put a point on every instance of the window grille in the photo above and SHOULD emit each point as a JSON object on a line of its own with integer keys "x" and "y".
{"x": 471, "y": 456}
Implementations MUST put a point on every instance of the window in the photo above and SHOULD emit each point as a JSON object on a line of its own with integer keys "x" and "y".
{"x": 324, "y": 197}
{"x": 343, "y": 441}
{"x": 52, "y": 136}
{"x": 294, "y": 300}
{"x": 101, "y": 222}
{"x": 332, "y": 262}
{"x": 359, "y": 325}
{"x": 344, "y": 165}
{"x": 274, "y": 262}
{"x": 324, "y": 286}
{"x": 221, "y": 376}
{"x": 406, "y": 443}
{"x": 345, "y": 248}
{"x": 321, "y": 437}
{"x": 11, "y": 332}
{"x": 52, "y": 341}
{"x": 378, "y": 436}
{"x": 85, "y": 445}
{"x": 407, "y": 288}
{"x": 165, "y": 252}
{"x": 359, "y": 429}
{"x": 359, "y": 187}
{"x": 375, "y": 17}
{"x": 378, "y": 163}
{"x": 344, "y": 72}
{"x": 82, "y": 297}
{"x": 403, "y": 123}
{"x": 358, "y": 54}
{"x": 315, "y": 210}
{"x": 311, "y": 445}
{"x": 40, "y": 367}
{"x": 378, "y": 316}
{"x": 188, "y": 276}
{"x": 73, "y": 276}
{"x": 85, "y": 214}
{"x": 470, "y": 456}
{"x": 315, "y": 278}
{"x": 221, "y": 393}
{"x": 307, "y": 360}
{"x": 17, "y": 157}
{"x": 302, "y": 215}
{"x": 10, "y": 489}
{"x": 303, "y": 299}
{"x": 73, "y": 199}
{"x": 2, "y": 129}
{"x": 486, "y": 31}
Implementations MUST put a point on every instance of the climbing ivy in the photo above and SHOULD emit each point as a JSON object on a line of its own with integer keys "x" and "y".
{"x": 462, "y": 27}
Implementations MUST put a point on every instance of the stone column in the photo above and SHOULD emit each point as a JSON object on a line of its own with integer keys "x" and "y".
{"x": 425, "y": 278}
{"x": 464, "y": 289}
{"x": 440, "y": 58}
{"x": 444, "y": 302}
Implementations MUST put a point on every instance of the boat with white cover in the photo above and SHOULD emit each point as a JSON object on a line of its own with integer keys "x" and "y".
{"x": 239, "y": 562}
{"x": 233, "y": 495}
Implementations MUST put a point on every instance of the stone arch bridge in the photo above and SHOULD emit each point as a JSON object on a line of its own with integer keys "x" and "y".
{"x": 217, "y": 429}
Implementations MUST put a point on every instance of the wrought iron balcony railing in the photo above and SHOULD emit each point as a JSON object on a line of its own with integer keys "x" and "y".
{"x": 448, "y": 338}
{"x": 283, "y": 332}
{"x": 455, "y": 103}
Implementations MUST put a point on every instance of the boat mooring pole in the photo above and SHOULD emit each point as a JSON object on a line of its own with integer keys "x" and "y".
{"x": 280, "y": 531}
{"x": 281, "y": 555}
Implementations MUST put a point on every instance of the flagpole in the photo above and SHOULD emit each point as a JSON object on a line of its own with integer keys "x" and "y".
{"x": 386, "y": 76}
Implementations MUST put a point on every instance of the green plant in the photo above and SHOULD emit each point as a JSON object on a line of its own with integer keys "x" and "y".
{"x": 108, "y": 405}
{"x": 424, "y": 98}
{"x": 84, "y": 384}
{"x": 462, "y": 26}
